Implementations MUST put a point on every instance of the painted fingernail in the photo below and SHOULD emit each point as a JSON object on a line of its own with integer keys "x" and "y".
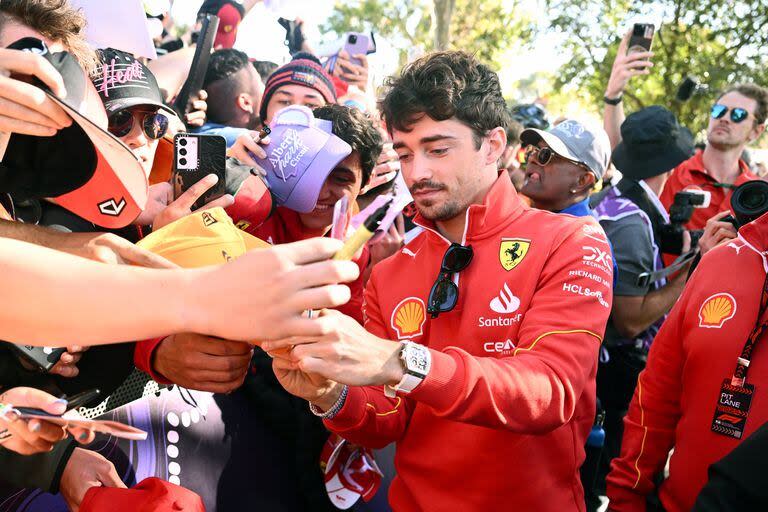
{"x": 34, "y": 426}
{"x": 83, "y": 436}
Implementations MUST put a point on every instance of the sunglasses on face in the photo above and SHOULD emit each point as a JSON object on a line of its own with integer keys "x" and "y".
{"x": 737, "y": 114}
{"x": 444, "y": 293}
{"x": 543, "y": 156}
{"x": 154, "y": 124}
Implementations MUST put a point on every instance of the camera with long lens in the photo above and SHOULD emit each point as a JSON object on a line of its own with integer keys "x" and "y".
{"x": 748, "y": 202}
{"x": 671, "y": 235}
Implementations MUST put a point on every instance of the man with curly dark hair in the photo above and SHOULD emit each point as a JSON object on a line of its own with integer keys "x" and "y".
{"x": 479, "y": 352}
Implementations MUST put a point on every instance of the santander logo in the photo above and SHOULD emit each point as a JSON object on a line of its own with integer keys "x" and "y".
{"x": 505, "y": 302}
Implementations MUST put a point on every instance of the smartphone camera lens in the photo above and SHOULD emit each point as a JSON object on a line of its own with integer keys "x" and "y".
{"x": 182, "y": 161}
{"x": 182, "y": 142}
{"x": 182, "y": 151}
{"x": 352, "y": 39}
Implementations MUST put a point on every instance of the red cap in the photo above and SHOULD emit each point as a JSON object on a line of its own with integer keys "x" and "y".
{"x": 150, "y": 495}
{"x": 229, "y": 20}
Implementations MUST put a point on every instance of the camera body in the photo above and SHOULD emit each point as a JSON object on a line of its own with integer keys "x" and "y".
{"x": 671, "y": 235}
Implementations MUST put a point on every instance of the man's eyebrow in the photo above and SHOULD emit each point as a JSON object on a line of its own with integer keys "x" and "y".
{"x": 426, "y": 140}
{"x": 435, "y": 138}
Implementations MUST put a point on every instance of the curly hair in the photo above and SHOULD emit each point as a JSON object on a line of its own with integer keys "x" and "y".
{"x": 55, "y": 19}
{"x": 444, "y": 85}
{"x": 356, "y": 129}
{"x": 754, "y": 92}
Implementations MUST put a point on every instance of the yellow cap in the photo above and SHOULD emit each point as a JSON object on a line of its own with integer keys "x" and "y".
{"x": 207, "y": 237}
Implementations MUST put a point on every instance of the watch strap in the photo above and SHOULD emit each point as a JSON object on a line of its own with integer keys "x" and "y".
{"x": 613, "y": 101}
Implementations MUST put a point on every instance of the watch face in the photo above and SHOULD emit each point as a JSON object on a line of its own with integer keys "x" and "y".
{"x": 416, "y": 360}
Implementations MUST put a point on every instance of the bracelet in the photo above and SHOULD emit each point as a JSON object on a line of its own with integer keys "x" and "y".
{"x": 335, "y": 408}
{"x": 613, "y": 101}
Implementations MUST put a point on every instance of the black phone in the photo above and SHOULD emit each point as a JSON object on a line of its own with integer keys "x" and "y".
{"x": 194, "y": 81}
{"x": 641, "y": 38}
{"x": 43, "y": 358}
{"x": 73, "y": 402}
{"x": 195, "y": 156}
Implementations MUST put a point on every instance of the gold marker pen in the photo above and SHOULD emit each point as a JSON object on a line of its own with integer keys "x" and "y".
{"x": 364, "y": 233}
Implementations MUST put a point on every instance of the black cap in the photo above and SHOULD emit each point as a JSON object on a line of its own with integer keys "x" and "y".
{"x": 652, "y": 143}
{"x": 124, "y": 82}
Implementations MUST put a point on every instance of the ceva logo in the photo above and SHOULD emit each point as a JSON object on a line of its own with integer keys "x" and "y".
{"x": 499, "y": 347}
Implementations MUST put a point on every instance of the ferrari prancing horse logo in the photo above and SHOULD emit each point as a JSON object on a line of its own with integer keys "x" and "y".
{"x": 512, "y": 251}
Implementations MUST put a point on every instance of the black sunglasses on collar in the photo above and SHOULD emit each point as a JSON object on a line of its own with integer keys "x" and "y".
{"x": 444, "y": 293}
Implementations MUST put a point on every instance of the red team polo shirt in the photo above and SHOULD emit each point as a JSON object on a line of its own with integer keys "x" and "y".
{"x": 692, "y": 175}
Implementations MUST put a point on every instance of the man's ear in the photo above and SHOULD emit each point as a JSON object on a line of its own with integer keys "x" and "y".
{"x": 496, "y": 141}
{"x": 757, "y": 131}
{"x": 586, "y": 182}
{"x": 245, "y": 102}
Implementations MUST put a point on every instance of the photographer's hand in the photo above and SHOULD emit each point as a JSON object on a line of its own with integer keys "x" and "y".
{"x": 716, "y": 232}
{"x": 25, "y": 108}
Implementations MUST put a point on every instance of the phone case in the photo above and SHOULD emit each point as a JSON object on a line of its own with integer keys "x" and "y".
{"x": 641, "y": 38}
{"x": 359, "y": 47}
{"x": 43, "y": 357}
{"x": 195, "y": 156}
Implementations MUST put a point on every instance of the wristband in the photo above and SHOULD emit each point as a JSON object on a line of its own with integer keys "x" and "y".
{"x": 335, "y": 408}
{"x": 612, "y": 101}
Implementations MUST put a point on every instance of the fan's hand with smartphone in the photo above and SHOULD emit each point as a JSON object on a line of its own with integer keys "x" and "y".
{"x": 66, "y": 366}
{"x": 631, "y": 63}
{"x": 352, "y": 68}
{"x": 29, "y": 436}
{"x": 250, "y": 145}
{"x": 183, "y": 206}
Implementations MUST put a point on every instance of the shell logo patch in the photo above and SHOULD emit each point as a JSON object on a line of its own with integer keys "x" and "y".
{"x": 408, "y": 318}
{"x": 716, "y": 310}
{"x": 228, "y": 28}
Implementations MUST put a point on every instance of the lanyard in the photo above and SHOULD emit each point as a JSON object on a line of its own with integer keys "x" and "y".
{"x": 742, "y": 363}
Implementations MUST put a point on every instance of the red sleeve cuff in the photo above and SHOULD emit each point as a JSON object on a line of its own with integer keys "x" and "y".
{"x": 443, "y": 383}
{"x": 351, "y": 414}
{"x": 142, "y": 359}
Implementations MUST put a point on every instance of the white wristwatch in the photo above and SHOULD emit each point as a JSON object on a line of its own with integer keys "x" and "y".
{"x": 416, "y": 361}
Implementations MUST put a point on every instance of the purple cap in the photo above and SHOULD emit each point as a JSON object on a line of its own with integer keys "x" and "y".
{"x": 301, "y": 154}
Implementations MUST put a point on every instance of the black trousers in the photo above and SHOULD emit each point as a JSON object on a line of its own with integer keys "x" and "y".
{"x": 616, "y": 382}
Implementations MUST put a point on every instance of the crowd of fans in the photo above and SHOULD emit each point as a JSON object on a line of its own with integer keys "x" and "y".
{"x": 564, "y": 312}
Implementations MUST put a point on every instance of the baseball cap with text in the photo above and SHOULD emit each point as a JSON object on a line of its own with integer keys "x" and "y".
{"x": 575, "y": 141}
{"x": 301, "y": 154}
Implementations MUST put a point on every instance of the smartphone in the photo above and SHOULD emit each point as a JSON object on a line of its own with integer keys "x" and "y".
{"x": 43, "y": 358}
{"x": 641, "y": 38}
{"x": 195, "y": 156}
{"x": 356, "y": 43}
{"x": 72, "y": 419}
{"x": 73, "y": 402}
